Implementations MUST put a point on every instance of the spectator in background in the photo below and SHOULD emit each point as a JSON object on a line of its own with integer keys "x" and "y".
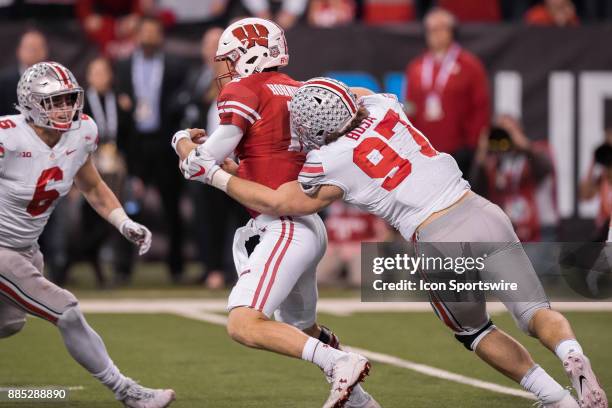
{"x": 200, "y": 88}
{"x": 473, "y": 10}
{"x": 560, "y": 13}
{"x": 388, "y": 11}
{"x": 32, "y": 49}
{"x": 331, "y": 13}
{"x": 598, "y": 183}
{"x": 147, "y": 85}
{"x": 111, "y": 24}
{"x": 448, "y": 91}
{"x": 347, "y": 227}
{"x": 215, "y": 212}
{"x": 284, "y": 12}
{"x": 113, "y": 124}
{"x": 508, "y": 171}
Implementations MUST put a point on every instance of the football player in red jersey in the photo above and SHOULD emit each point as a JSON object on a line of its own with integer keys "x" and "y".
{"x": 278, "y": 277}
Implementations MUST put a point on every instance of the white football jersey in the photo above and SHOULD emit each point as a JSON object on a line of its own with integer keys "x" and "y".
{"x": 387, "y": 167}
{"x": 34, "y": 176}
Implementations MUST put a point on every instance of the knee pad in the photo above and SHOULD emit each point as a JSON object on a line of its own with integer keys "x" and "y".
{"x": 11, "y": 328}
{"x": 328, "y": 337}
{"x": 470, "y": 341}
{"x": 523, "y": 320}
{"x": 70, "y": 317}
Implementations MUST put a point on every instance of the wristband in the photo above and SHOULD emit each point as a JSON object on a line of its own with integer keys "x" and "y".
{"x": 220, "y": 179}
{"x": 117, "y": 217}
{"x": 178, "y": 136}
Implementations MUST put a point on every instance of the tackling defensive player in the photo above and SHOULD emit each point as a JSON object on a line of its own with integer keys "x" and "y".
{"x": 367, "y": 153}
{"x": 278, "y": 277}
{"x": 43, "y": 151}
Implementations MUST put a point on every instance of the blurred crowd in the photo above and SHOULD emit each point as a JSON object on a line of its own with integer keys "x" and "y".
{"x": 139, "y": 96}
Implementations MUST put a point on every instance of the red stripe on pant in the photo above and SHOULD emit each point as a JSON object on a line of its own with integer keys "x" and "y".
{"x": 27, "y": 306}
{"x": 268, "y": 262}
{"x": 445, "y": 318}
{"x": 276, "y": 265}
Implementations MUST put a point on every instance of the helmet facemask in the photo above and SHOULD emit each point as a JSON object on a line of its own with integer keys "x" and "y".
{"x": 230, "y": 61}
{"x": 58, "y": 111}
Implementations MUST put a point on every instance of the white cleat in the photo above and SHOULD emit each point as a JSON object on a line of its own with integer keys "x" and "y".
{"x": 566, "y": 402}
{"x": 135, "y": 395}
{"x": 361, "y": 399}
{"x": 590, "y": 394}
{"x": 347, "y": 371}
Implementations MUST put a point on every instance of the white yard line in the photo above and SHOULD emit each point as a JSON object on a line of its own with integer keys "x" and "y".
{"x": 207, "y": 310}
{"x": 442, "y": 374}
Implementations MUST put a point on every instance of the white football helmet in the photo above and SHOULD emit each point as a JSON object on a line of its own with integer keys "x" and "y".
{"x": 251, "y": 45}
{"x": 320, "y": 107}
{"x": 49, "y": 96}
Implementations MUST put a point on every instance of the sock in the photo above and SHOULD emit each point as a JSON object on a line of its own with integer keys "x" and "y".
{"x": 112, "y": 378}
{"x": 567, "y": 346}
{"x": 321, "y": 354}
{"x": 87, "y": 348}
{"x": 543, "y": 385}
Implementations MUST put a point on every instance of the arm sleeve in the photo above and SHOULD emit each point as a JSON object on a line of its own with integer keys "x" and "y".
{"x": 480, "y": 104}
{"x": 312, "y": 175}
{"x": 223, "y": 141}
{"x": 238, "y": 105}
{"x": 91, "y": 136}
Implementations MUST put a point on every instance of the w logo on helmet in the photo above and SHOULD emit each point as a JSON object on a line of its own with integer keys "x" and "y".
{"x": 252, "y": 34}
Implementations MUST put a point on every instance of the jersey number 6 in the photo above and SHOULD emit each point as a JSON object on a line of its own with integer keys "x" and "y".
{"x": 377, "y": 159}
{"x": 43, "y": 199}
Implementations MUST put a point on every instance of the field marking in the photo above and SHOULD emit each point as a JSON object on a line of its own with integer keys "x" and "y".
{"x": 206, "y": 310}
{"x": 439, "y": 373}
{"x": 394, "y": 361}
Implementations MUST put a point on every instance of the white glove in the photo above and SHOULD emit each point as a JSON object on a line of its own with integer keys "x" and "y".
{"x": 137, "y": 234}
{"x": 199, "y": 165}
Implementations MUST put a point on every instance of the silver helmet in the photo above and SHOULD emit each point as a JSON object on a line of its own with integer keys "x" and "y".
{"x": 320, "y": 107}
{"x": 49, "y": 96}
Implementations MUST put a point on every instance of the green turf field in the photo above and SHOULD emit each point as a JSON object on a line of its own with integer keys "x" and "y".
{"x": 206, "y": 369}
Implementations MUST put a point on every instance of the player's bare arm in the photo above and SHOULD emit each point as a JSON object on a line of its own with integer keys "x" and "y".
{"x": 103, "y": 200}
{"x": 95, "y": 190}
{"x": 359, "y": 92}
{"x": 288, "y": 199}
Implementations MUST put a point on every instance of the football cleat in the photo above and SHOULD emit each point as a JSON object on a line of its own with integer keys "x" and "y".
{"x": 590, "y": 394}
{"x": 566, "y": 402}
{"x": 347, "y": 371}
{"x": 361, "y": 399}
{"x": 135, "y": 395}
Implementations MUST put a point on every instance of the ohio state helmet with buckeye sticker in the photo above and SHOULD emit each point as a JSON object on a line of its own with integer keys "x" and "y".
{"x": 49, "y": 96}
{"x": 320, "y": 107}
{"x": 251, "y": 45}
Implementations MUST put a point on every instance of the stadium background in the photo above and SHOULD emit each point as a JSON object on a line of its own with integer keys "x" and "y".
{"x": 557, "y": 80}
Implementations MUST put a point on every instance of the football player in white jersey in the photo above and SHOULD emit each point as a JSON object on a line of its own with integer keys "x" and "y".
{"x": 366, "y": 152}
{"x": 43, "y": 151}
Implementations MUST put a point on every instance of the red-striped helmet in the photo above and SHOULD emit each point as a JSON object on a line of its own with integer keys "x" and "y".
{"x": 49, "y": 96}
{"x": 320, "y": 107}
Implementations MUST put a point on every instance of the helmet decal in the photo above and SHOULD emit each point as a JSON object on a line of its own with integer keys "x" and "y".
{"x": 252, "y": 34}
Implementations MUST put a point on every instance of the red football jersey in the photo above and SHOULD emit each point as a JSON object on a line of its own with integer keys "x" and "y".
{"x": 259, "y": 105}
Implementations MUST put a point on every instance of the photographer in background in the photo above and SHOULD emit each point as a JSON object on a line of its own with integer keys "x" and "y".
{"x": 598, "y": 182}
{"x": 509, "y": 170}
